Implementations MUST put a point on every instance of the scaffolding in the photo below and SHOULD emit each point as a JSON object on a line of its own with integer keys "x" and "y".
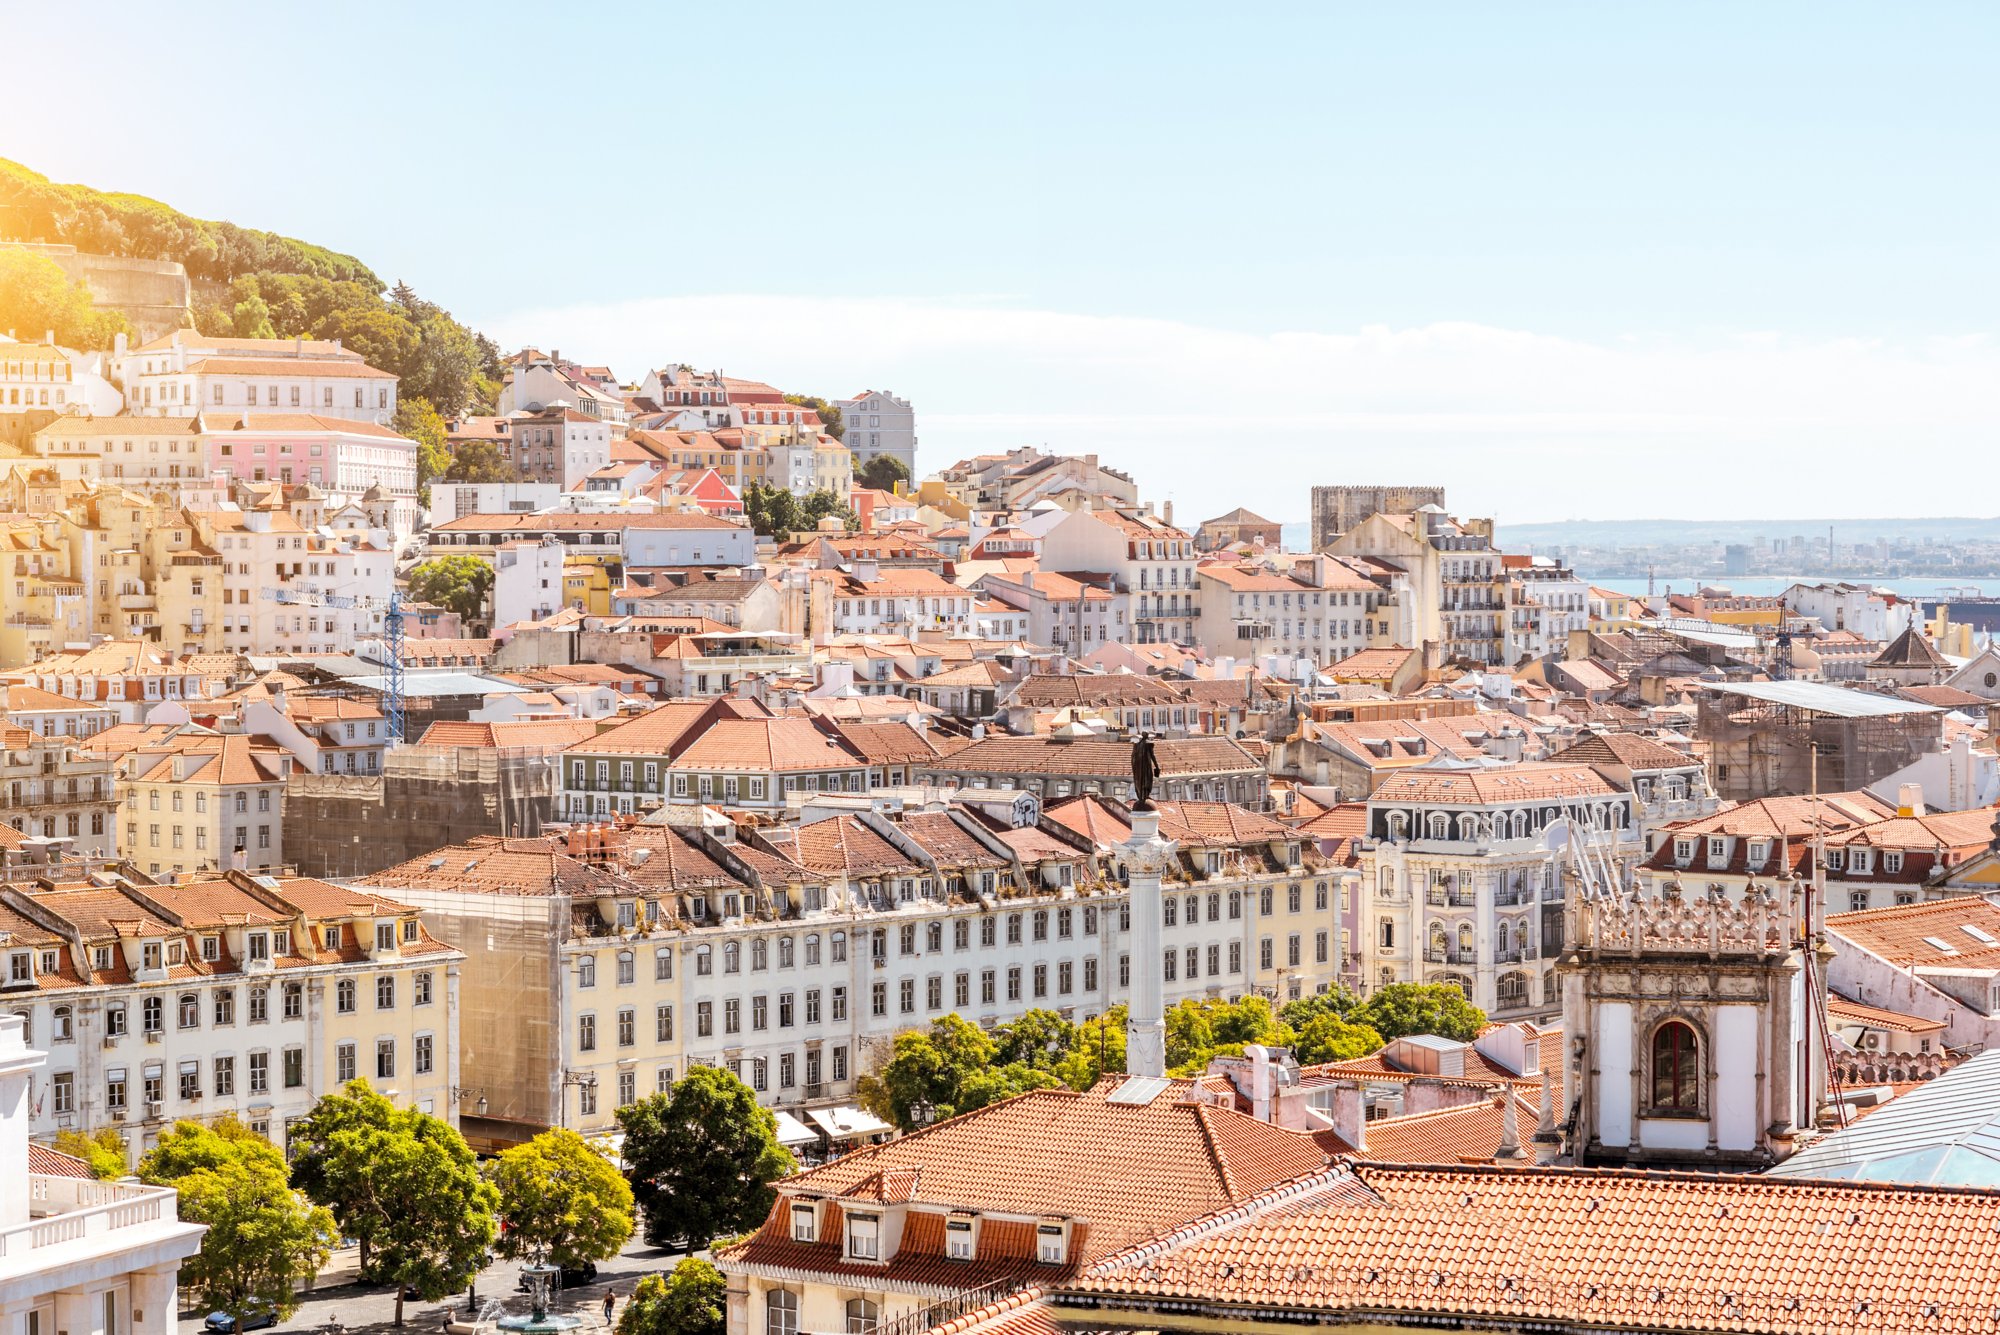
{"x": 1760, "y": 738}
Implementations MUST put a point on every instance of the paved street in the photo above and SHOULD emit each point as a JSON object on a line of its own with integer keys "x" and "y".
{"x": 372, "y": 1307}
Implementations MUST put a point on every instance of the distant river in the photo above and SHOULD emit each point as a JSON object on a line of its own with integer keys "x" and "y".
{"x": 1766, "y": 586}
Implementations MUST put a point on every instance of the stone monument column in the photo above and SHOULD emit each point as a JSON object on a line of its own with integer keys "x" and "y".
{"x": 1147, "y": 857}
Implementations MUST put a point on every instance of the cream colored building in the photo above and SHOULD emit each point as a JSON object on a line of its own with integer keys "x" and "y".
{"x": 198, "y": 801}
{"x": 234, "y": 994}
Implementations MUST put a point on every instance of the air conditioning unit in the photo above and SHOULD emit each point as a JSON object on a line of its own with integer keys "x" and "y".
{"x": 117, "y": 1114}
{"x": 111, "y": 1040}
{"x": 153, "y": 1107}
{"x": 155, "y": 1036}
{"x": 1871, "y": 1041}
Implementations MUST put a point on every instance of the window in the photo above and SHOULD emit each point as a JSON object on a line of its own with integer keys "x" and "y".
{"x": 343, "y": 996}
{"x": 385, "y": 1059}
{"x": 152, "y": 1015}
{"x": 861, "y": 1317}
{"x": 663, "y": 1024}
{"x": 627, "y": 1028}
{"x": 1676, "y": 1069}
{"x": 421, "y": 990}
{"x": 625, "y": 966}
{"x": 781, "y": 1306}
{"x": 190, "y": 1011}
{"x": 704, "y": 1019}
{"x": 423, "y": 1055}
{"x": 958, "y": 1239}
{"x": 225, "y": 1006}
{"x": 864, "y": 1243}
{"x": 586, "y": 971}
{"x": 225, "y": 1076}
{"x": 586, "y": 1033}
{"x": 295, "y": 999}
{"x": 1049, "y": 1244}
{"x": 295, "y": 1066}
{"x": 385, "y": 992}
{"x": 344, "y": 1063}
{"x": 260, "y": 1073}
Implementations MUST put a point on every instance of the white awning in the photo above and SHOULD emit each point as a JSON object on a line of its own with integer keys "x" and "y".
{"x": 791, "y": 1131}
{"x": 848, "y": 1123}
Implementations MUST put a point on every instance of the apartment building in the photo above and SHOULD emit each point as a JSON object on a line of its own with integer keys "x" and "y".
{"x": 1451, "y": 586}
{"x": 126, "y": 677}
{"x": 612, "y": 959}
{"x": 185, "y": 372}
{"x": 676, "y": 539}
{"x": 1319, "y": 609}
{"x": 53, "y": 787}
{"x": 77, "y": 1254}
{"x": 876, "y": 422}
{"x": 197, "y": 801}
{"x": 1546, "y": 603}
{"x": 354, "y": 459}
{"x": 557, "y": 445}
{"x": 1148, "y": 559}
{"x": 1071, "y": 612}
{"x": 1467, "y": 871}
{"x": 222, "y": 995}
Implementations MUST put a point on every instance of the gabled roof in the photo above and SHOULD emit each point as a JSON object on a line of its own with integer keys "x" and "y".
{"x": 1962, "y": 932}
{"x": 1623, "y": 750}
{"x": 1911, "y": 649}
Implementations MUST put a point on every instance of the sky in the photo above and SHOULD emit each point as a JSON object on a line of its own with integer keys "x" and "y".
{"x": 1567, "y": 260}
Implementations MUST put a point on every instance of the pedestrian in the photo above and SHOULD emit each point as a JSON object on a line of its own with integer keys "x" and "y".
{"x": 609, "y": 1298}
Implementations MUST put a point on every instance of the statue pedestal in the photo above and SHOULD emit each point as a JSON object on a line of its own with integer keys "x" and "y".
{"x": 1147, "y": 857}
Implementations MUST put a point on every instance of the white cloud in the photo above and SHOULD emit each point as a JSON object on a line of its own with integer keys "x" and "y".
{"x": 1522, "y": 425}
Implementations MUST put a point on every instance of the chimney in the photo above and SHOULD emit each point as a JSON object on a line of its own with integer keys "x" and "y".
{"x": 1350, "y": 1115}
{"x": 1510, "y": 1129}
{"x": 1910, "y": 799}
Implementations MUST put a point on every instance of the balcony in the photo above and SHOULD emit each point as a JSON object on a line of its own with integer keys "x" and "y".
{"x": 1449, "y": 955}
{"x": 1439, "y": 897}
{"x": 68, "y": 1210}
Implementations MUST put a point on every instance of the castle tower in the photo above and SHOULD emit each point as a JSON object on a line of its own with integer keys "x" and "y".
{"x": 1690, "y": 1035}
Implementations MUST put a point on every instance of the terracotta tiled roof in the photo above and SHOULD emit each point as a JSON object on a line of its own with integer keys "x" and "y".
{"x": 491, "y": 865}
{"x": 1843, "y": 1011}
{"x": 657, "y": 732}
{"x": 1569, "y": 1248}
{"x": 947, "y": 841}
{"x": 1908, "y": 934}
{"x": 1041, "y": 755}
{"x": 1624, "y": 750}
{"x": 1450, "y": 1135}
{"x": 1371, "y": 663}
{"x": 1097, "y": 689}
{"x": 286, "y": 367}
{"x": 843, "y": 845}
{"x": 539, "y": 734}
{"x": 1122, "y": 1173}
{"x": 765, "y": 745}
{"x": 1513, "y": 783}
{"x": 54, "y": 1163}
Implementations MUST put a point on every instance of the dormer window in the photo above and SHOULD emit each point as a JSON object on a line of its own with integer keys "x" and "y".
{"x": 149, "y": 955}
{"x": 1718, "y": 850}
{"x": 385, "y": 936}
{"x": 805, "y": 1223}
{"x": 864, "y": 1237}
{"x": 1892, "y": 862}
{"x": 1860, "y": 860}
{"x": 958, "y": 1238}
{"x": 173, "y": 952}
{"x": 409, "y": 929}
{"x": 1051, "y": 1244}
{"x": 1683, "y": 850}
{"x": 281, "y": 941}
{"x": 211, "y": 948}
{"x": 1759, "y": 850}
{"x": 260, "y": 946}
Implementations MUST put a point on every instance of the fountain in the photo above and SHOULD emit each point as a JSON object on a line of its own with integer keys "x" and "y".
{"x": 543, "y": 1279}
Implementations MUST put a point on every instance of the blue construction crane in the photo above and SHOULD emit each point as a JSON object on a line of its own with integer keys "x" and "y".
{"x": 392, "y": 697}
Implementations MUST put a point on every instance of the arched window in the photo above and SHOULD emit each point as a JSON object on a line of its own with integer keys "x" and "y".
{"x": 1388, "y": 881}
{"x": 1468, "y": 827}
{"x": 1676, "y": 1068}
{"x": 1503, "y": 937}
{"x": 1520, "y": 825}
{"x": 732, "y": 957}
{"x": 784, "y": 952}
{"x": 1465, "y": 938}
{"x": 781, "y": 1312}
{"x": 1388, "y": 933}
{"x": 861, "y": 1316}
{"x": 1397, "y": 823}
{"x": 1511, "y": 991}
{"x": 1437, "y": 937}
{"x": 65, "y": 1031}
{"x": 1388, "y": 976}
{"x": 1439, "y": 825}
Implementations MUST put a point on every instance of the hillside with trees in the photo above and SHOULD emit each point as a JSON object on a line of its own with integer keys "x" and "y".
{"x": 249, "y": 284}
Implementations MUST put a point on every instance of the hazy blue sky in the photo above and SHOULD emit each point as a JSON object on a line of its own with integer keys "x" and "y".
{"x": 1550, "y": 255}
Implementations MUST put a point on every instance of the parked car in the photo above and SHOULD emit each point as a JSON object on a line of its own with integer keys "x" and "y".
{"x": 256, "y": 1317}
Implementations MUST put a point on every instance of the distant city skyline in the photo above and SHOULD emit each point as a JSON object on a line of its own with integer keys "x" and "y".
{"x": 1569, "y": 261}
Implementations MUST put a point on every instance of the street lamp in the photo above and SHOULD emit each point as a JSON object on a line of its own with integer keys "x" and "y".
{"x": 923, "y": 1112}
{"x": 587, "y": 1080}
{"x": 459, "y": 1094}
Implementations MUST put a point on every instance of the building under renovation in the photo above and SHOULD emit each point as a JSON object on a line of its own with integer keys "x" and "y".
{"x": 1773, "y": 738}
{"x": 427, "y": 796}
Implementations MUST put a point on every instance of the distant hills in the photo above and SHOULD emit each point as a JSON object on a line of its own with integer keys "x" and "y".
{"x": 1695, "y": 532}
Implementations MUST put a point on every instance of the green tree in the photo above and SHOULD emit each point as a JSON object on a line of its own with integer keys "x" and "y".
{"x": 37, "y": 298}
{"x": 251, "y": 318}
{"x": 1328, "y": 1038}
{"x": 103, "y": 1150}
{"x": 688, "y": 1300}
{"x": 773, "y": 512}
{"x": 702, "y": 1158}
{"x": 824, "y": 505}
{"x": 1336, "y": 1000}
{"x": 1421, "y": 1008}
{"x": 563, "y": 1201}
{"x": 1200, "y": 1030}
{"x": 1040, "y": 1038}
{"x": 831, "y": 420}
{"x": 460, "y": 583}
{"x": 481, "y": 461}
{"x": 263, "y": 1237}
{"x": 882, "y": 472}
{"x": 420, "y": 421}
{"x": 994, "y": 1084}
{"x": 1099, "y": 1048}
